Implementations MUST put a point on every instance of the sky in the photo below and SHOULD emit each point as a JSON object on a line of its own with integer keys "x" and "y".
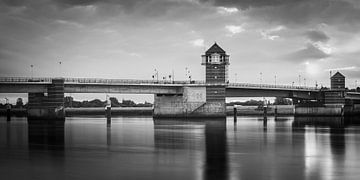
{"x": 129, "y": 39}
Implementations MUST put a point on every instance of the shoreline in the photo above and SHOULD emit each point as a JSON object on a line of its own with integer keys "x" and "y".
{"x": 148, "y": 111}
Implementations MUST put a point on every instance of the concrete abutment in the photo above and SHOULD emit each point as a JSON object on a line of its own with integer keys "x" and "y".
{"x": 50, "y": 106}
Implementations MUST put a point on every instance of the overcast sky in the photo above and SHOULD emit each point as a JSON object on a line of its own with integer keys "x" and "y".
{"x": 130, "y": 38}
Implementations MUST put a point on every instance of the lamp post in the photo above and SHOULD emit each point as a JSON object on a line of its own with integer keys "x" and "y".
{"x": 60, "y": 68}
{"x": 305, "y": 82}
{"x": 299, "y": 80}
{"x": 275, "y": 80}
{"x": 32, "y": 71}
{"x": 188, "y": 74}
{"x": 260, "y": 79}
{"x": 157, "y": 75}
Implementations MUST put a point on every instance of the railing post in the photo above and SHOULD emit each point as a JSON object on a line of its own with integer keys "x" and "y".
{"x": 108, "y": 115}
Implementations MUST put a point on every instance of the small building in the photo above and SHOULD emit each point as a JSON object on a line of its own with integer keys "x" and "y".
{"x": 337, "y": 81}
{"x": 336, "y": 94}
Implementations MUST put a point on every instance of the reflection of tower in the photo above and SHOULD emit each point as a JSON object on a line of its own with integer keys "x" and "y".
{"x": 337, "y": 138}
{"x": 172, "y": 136}
{"x": 216, "y": 150}
{"x": 216, "y": 62}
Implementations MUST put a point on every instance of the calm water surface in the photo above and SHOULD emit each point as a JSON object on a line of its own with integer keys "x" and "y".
{"x": 143, "y": 148}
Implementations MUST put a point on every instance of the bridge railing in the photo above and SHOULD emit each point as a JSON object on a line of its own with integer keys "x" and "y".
{"x": 267, "y": 86}
{"x": 134, "y": 81}
{"x": 127, "y": 81}
{"x": 24, "y": 79}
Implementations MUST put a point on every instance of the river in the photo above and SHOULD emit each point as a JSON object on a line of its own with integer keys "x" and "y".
{"x": 142, "y": 148}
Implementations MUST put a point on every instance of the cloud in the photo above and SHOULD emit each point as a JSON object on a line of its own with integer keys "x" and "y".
{"x": 349, "y": 68}
{"x": 227, "y": 10}
{"x": 310, "y": 52}
{"x": 198, "y": 42}
{"x": 69, "y": 23}
{"x": 297, "y": 13}
{"x": 233, "y": 29}
{"x": 270, "y": 33}
{"x": 317, "y": 36}
{"x": 265, "y": 35}
{"x": 246, "y": 4}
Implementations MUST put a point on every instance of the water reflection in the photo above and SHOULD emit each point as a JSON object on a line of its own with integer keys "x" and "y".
{"x": 184, "y": 134}
{"x": 327, "y": 159}
{"x": 143, "y": 148}
{"x": 46, "y": 135}
{"x": 216, "y": 150}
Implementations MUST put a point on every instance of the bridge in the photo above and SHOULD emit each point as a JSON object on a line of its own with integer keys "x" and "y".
{"x": 132, "y": 86}
{"x": 175, "y": 98}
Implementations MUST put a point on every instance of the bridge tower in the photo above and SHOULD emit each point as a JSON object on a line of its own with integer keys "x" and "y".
{"x": 336, "y": 94}
{"x": 200, "y": 101}
{"x": 216, "y": 63}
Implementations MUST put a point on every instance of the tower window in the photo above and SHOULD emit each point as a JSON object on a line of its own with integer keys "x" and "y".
{"x": 215, "y": 67}
{"x": 215, "y": 77}
{"x": 215, "y": 57}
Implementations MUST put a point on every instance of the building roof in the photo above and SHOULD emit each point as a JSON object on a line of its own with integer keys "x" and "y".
{"x": 215, "y": 49}
{"x": 338, "y": 74}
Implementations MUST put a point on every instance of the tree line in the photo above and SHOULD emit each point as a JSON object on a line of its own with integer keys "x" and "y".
{"x": 70, "y": 102}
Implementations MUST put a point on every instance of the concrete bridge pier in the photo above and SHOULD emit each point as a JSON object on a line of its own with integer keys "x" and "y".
{"x": 192, "y": 103}
{"x": 49, "y": 106}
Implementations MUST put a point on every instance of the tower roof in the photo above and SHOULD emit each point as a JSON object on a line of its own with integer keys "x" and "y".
{"x": 337, "y": 74}
{"x": 215, "y": 49}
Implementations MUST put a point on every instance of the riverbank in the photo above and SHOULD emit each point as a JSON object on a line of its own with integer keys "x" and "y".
{"x": 147, "y": 111}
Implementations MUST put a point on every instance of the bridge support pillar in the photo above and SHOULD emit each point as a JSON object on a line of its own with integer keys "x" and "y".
{"x": 50, "y": 106}
{"x": 191, "y": 104}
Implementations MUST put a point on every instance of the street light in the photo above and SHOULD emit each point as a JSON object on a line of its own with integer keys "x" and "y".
{"x": 299, "y": 80}
{"x": 60, "y": 68}
{"x": 188, "y": 74}
{"x": 275, "y": 80}
{"x": 157, "y": 75}
{"x": 32, "y": 71}
{"x": 260, "y": 78}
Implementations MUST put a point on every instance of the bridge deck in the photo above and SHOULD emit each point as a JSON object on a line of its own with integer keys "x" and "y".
{"x": 152, "y": 83}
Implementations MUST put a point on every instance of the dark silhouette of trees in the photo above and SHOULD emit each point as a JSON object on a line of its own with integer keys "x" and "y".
{"x": 19, "y": 103}
{"x": 282, "y": 101}
{"x": 69, "y": 102}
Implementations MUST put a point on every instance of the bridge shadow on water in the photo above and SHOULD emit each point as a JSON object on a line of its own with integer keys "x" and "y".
{"x": 215, "y": 162}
